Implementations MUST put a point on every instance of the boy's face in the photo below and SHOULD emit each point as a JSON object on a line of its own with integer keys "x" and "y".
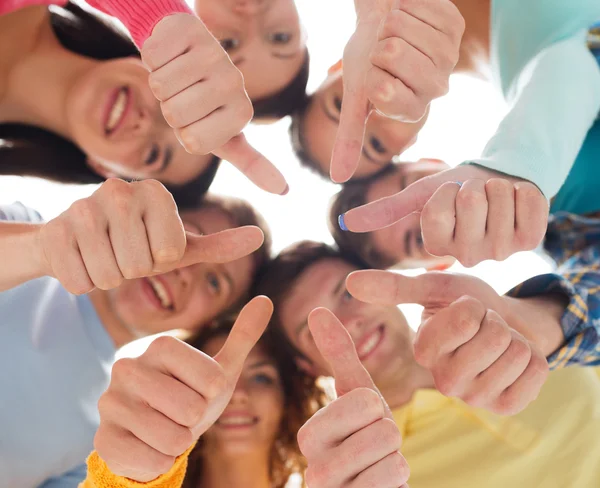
{"x": 384, "y": 137}
{"x": 381, "y": 334}
{"x": 402, "y": 241}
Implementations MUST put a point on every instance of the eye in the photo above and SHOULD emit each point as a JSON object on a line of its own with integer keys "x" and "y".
{"x": 263, "y": 379}
{"x": 346, "y": 297}
{"x": 152, "y": 155}
{"x": 229, "y": 44}
{"x": 377, "y": 145}
{"x": 280, "y": 38}
{"x": 337, "y": 103}
{"x": 214, "y": 282}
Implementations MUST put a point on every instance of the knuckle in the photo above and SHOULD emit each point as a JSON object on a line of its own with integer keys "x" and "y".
{"x": 519, "y": 351}
{"x": 390, "y": 435}
{"x": 157, "y": 85}
{"x": 83, "y": 212}
{"x": 161, "y": 345}
{"x": 123, "y": 369}
{"x": 171, "y": 112}
{"x": 368, "y": 402}
{"x": 469, "y": 198}
{"x": 109, "y": 281}
{"x": 176, "y": 444}
{"x": 193, "y": 412}
{"x": 305, "y": 439}
{"x": 446, "y": 381}
{"x": 499, "y": 187}
{"x": 135, "y": 270}
{"x": 475, "y": 398}
{"x": 192, "y": 142}
{"x": 398, "y": 469}
{"x": 499, "y": 336}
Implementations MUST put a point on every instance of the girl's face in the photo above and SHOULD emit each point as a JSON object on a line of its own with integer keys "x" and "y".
{"x": 184, "y": 298}
{"x": 263, "y": 38}
{"x": 252, "y": 419}
{"x": 402, "y": 240}
{"x": 115, "y": 119}
{"x": 384, "y": 137}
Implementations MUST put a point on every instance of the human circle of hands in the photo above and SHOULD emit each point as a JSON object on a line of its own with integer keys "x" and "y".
{"x": 468, "y": 212}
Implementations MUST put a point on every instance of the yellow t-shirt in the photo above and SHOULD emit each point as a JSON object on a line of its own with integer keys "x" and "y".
{"x": 553, "y": 443}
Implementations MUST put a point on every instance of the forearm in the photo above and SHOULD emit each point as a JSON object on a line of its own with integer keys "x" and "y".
{"x": 538, "y": 319}
{"x": 557, "y": 100}
{"x": 99, "y": 476}
{"x": 22, "y": 258}
{"x": 140, "y": 16}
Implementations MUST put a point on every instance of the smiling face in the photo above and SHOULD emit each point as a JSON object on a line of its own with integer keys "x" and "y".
{"x": 384, "y": 137}
{"x": 185, "y": 298}
{"x": 381, "y": 334}
{"x": 252, "y": 419}
{"x": 116, "y": 121}
{"x": 263, "y": 38}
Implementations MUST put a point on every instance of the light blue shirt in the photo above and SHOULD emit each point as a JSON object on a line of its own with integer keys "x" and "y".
{"x": 545, "y": 70}
{"x": 55, "y": 361}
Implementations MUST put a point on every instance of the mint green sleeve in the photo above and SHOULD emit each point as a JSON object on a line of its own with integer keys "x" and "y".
{"x": 556, "y": 101}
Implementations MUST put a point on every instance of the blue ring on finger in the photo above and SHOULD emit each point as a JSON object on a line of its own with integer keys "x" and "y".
{"x": 459, "y": 183}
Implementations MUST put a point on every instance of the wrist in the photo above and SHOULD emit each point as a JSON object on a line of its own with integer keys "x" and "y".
{"x": 538, "y": 319}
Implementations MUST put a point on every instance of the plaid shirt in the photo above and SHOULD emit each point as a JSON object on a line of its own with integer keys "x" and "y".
{"x": 573, "y": 242}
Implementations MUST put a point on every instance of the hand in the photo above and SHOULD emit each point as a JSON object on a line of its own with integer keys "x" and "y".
{"x": 487, "y": 216}
{"x": 203, "y": 98}
{"x": 398, "y": 60}
{"x": 126, "y": 231}
{"x": 464, "y": 340}
{"x": 353, "y": 442}
{"x": 158, "y": 404}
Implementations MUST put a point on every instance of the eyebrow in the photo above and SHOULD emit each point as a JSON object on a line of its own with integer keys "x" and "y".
{"x": 167, "y": 159}
{"x": 260, "y": 364}
{"x": 329, "y": 115}
{"x": 285, "y": 56}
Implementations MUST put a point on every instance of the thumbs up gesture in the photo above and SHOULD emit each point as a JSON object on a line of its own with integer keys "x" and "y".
{"x": 127, "y": 231}
{"x": 158, "y": 404}
{"x": 397, "y": 61}
{"x": 203, "y": 97}
{"x": 353, "y": 442}
{"x": 465, "y": 339}
{"x": 468, "y": 212}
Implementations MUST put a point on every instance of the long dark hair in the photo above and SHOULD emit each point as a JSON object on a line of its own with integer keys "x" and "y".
{"x": 302, "y": 398}
{"x": 30, "y": 151}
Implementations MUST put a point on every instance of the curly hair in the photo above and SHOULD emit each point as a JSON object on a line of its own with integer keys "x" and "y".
{"x": 302, "y": 398}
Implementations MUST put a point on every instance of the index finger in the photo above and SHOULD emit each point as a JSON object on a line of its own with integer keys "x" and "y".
{"x": 349, "y": 138}
{"x": 253, "y": 164}
{"x": 247, "y": 330}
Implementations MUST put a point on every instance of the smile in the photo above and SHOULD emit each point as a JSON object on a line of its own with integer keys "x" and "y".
{"x": 370, "y": 343}
{"x": 117, "y": 111}
{"x": 161, "y": 292}
{"x": 237, "y": 421}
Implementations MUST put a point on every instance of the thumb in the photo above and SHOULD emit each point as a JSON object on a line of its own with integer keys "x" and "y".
{"x": 351, "y": 132}
{"x": 222, "y": 247}
{"x": 389, "y": 288}
{"x": 247, "y": 330}
{"x": 253, "y": 164}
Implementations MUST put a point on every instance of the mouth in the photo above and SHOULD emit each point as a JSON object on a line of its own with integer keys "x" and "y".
{"x": 237, "y": 421}
{"x": 117, "y": 109}
{"x": 369, "y": 344}
{"x": 161, "y": 293}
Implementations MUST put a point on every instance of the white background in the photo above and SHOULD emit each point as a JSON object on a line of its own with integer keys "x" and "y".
{"x": 458, "y": 128}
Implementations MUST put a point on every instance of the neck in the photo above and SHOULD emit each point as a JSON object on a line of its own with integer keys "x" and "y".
{"x": 40, "y": 84}
{"x": 222, "y": 470}
{"x": 400, "y": 391}
{"x": 118, "y": 332}
{"x": 475, "y": 45}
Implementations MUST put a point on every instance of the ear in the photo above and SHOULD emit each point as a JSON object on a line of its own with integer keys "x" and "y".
{"x": 306, "y": 366}
{"x": 100, "y": 169}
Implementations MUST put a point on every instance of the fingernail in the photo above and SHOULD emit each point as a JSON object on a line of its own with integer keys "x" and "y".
{"x": 286, "y": 191}
{"x": 342, "y": 223}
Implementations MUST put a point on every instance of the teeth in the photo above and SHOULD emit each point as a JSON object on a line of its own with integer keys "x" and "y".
{"x": 236, "y": 421}
{"x": 369, "y": 345}
{"x": 117, "y": 110}
{"x": 161, "y": 292}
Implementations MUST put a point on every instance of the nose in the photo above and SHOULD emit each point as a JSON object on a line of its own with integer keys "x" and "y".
{"x": 141, "y": 122}
{"x": 240, "y": 394}
{"x": 353, "y": 323}
{"x": 250, "y": 7}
